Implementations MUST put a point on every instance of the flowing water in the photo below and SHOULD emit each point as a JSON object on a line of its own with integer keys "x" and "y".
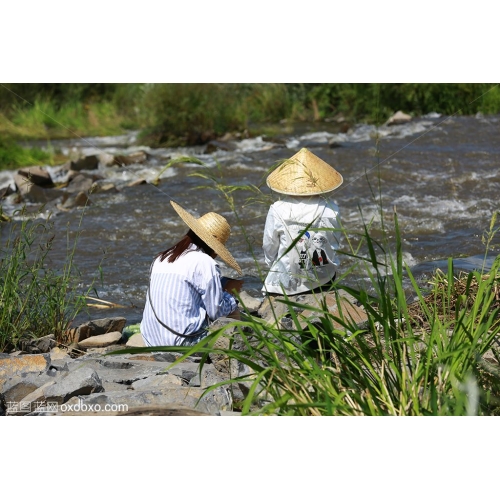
{"x": 441, "y": 175}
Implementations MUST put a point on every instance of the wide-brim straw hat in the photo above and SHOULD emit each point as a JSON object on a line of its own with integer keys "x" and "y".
{"x": 304, "y": 174}
{"x": 213, "y": 229}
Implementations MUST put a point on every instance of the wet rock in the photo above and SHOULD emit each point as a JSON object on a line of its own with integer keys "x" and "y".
{"x": 79, "y": 200}
{"x": 106, "y": 159}
{"x": 338, "y": 118}
{"x": 103, "y": 186}
{"x": 79, "y": 183}
{"x": 213, "y": 146}
{"x": 37, "y": 176}
{"x": 6, "y": 191}
{"x": 137, "y": 182}
{"x": 398, "y": 118}
{"x": 36, "y": 194}
{"x": 87, "y": 163}
{"x": 132, "y": 158}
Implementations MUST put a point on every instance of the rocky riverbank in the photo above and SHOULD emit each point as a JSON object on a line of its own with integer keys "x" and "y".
{"x": 79, "y": 377}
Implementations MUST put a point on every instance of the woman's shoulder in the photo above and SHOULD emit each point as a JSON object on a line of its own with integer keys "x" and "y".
{"x": 200, "y": 259}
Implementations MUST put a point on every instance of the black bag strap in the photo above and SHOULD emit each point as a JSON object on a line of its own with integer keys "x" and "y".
{"x": 153, "y": 309}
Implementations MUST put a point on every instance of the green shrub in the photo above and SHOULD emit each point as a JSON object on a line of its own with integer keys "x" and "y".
{"x": 35, "y": 298}
{"x": 12, "y": 155}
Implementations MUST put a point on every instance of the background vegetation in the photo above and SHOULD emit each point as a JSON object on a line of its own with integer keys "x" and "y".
{"x": 175, "y": 114}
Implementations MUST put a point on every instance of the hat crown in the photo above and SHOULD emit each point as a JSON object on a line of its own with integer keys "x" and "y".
{"x": 216, "y": 225}
{"x": 304, "y": 174}
{"x": 213, "y": 229}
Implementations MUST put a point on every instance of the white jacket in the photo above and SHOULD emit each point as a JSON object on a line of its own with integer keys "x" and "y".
{"x": 312, "y": 225}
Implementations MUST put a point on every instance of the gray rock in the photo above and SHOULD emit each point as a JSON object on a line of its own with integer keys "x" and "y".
{"x": 186, "y": 370}
{"x": 15, "y": 389}
{"x": 157, "y": 381}
{"x": 122, "y": 371}
{"x": 16, "y": 366}
{"x": 132, "y": 158}
{"x": 136, "y": 341}
{"x": 103, "y": 340}
{"x": 191, "y": 398}
{"x": 271, "y": 310}
{"x": 79, "y": 183}
{"x": 81, "y": 381}
{"x": 88, "y": 163}
{"x": 37, "y": 176}
{"x": 252, "y": 304}
{"x": 398, "y": 118}
{"x": 94, "y": 327}
{"x": 36, "y": 194}
{"x": 103, "y": 186}
{"x": 40, "y": 345}
{"x": 209, "y": 376}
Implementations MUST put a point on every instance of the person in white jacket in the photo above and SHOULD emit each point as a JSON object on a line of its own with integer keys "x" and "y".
{"x": 302, "y": 230}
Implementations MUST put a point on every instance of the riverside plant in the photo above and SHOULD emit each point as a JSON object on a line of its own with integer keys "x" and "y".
{"x": 435, "y": 355}
{"x": 36, "y": 299}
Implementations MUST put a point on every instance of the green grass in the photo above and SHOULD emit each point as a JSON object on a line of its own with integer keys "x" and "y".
{"x": 37, "y": 297}
{"x": 44, "y": 119}
{"x": 392, "y": 365}
{"x": 434, "y": 356}
{"x": 179, "y": 114}
{"x": 13, "y": 156}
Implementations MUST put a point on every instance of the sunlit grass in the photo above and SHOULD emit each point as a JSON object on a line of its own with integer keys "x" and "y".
{"x": 46, "y": 120}
{"x": 436, "y": 355}
{"x": 37, "y": 296}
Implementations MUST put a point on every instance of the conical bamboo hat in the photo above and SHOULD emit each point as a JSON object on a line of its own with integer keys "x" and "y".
{"x": 304, "y": 174}
{"x": 213, "y": 229}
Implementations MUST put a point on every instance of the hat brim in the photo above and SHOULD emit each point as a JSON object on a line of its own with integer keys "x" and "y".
{"x": 209, "y": 239}
{"x": 303, "y": 190}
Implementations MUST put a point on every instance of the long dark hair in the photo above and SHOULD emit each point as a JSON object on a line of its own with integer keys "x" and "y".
{"x": 175, "y": 251}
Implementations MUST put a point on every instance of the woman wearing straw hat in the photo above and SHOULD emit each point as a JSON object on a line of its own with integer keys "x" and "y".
{"x": 185, "y": 290}
{"x": 302, "y": 230}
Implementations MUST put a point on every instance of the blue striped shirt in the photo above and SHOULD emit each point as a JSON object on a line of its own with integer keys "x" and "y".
{"x": 183, "y": 294}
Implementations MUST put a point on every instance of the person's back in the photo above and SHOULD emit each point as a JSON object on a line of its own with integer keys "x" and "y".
{"x": 185, "y": 291}
{"x": 302, "y": 230}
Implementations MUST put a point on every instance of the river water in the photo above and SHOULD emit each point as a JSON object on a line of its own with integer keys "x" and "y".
{"x": 441, "y": 175}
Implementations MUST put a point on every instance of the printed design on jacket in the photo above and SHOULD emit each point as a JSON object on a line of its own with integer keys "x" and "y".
{"x": 310, "y": 255}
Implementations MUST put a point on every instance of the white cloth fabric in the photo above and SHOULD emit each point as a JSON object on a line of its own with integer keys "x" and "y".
{"x": 183, "y": 294}
{"x": 313, "y": 223}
